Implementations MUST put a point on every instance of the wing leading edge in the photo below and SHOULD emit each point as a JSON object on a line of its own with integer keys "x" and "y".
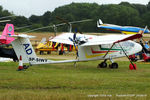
{"x": 93, "y": 39}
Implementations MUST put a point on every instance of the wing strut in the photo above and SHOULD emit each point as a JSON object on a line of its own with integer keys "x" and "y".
{"x": 108, "y": 50}
{"x": 127, "y": 56}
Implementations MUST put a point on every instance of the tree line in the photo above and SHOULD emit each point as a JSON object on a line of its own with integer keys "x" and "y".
{"x": 121, "y": 14}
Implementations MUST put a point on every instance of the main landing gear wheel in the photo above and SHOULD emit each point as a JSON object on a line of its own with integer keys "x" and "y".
{"x": 25, "y": 67}
{"x": 102, "y": 65}
{"x": 61, "y": 52}
{"x": 41, "y": 52}
{"x": 113, "y": 66}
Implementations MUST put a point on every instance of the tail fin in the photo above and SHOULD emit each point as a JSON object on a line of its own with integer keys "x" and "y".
{"x": 23, "y": 47}
{"x": 8, "y": 31}
{"x": 143, "y": 31}
{"x": 99, "y": 23}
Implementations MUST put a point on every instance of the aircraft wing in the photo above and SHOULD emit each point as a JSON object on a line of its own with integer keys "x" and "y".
{"x": 93, "y": 39}
{"x": 64, "y": 38}
{"x": 108, "y": 39}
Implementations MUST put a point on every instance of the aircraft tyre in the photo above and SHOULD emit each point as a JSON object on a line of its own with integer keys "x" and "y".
{"x": 148, "y": 60}
{"x": 25, "y": 67}
{"x": 41, "y": 52}
{"x": 60, "y": 52}
{"x": 113, "y": 66}
{"x": 48, "y": 52}
{"x": 15, "y": 60}
{"x": 102, "y": 65}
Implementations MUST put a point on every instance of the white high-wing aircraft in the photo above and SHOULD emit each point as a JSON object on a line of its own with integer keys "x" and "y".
{"x": 90, "y": 47}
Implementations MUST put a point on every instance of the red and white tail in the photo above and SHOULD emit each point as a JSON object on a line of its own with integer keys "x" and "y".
{"x": 8, "y": 31}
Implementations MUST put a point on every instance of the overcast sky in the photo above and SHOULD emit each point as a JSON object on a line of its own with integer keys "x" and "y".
{"x": 39, "y": 7}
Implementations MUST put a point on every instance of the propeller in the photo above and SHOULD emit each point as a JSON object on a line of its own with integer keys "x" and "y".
{"x": 18, "y": 28}
{"x": 6, "y": 17}
{"x": 61, "y": 24}
{"x": 75, "y": 43}
{"x": 73, "y": 22}
{"x": 2, "y": 21}
{"x": 74, "y": 40}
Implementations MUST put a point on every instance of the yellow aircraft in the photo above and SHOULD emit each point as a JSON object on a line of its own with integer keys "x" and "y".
{"x": 48, "y": 46}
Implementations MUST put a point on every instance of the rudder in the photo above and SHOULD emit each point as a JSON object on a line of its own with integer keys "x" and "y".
{"x": 23, "y": 47}
{"x": 8, "y": 31}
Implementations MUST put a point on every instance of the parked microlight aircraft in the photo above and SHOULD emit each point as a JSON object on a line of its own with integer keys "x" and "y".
{"x": 8, "y": 30}
{"x": 122, "y": 29}
{"x": 90, "y": 47}
{"x": 5, "y": 39}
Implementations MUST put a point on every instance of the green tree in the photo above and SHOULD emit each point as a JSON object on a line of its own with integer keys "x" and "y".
{"x": 146, "y": 19}
{"x": 46, "y": 18}
{"x": 20, "y": 21}
{"x": 35, "y": 19}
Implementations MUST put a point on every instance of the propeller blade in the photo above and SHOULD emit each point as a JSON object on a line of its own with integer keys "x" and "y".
{"x": 2, "y": 21}
{"x": 71, "y": 39}
{"x": 73, "y": 43}
{"x": 38, "y": 29}
{"x": 74, "y": 36}
{"x": 76, "y": 30}
{"x": 75, "y": 46}
{"x": 17, "y": 28}
{"x": 63, "y": 20}
{"x": 86, "y": 20}
{"x": 6, "y": 17}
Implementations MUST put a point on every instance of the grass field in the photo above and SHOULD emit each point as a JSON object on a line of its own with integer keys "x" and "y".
{"x": 64, "y": 82}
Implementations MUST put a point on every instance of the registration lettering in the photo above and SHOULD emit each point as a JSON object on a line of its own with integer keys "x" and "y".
{"x": 28, "y": 49}
{"x": 37, "y": 59}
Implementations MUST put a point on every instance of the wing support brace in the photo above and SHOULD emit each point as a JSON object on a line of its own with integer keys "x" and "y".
{"x": 127, "y": 56}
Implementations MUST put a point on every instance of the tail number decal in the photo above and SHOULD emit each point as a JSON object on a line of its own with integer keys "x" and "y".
{"x": 28, "y": 50}
{"x": 37, "y": 59}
